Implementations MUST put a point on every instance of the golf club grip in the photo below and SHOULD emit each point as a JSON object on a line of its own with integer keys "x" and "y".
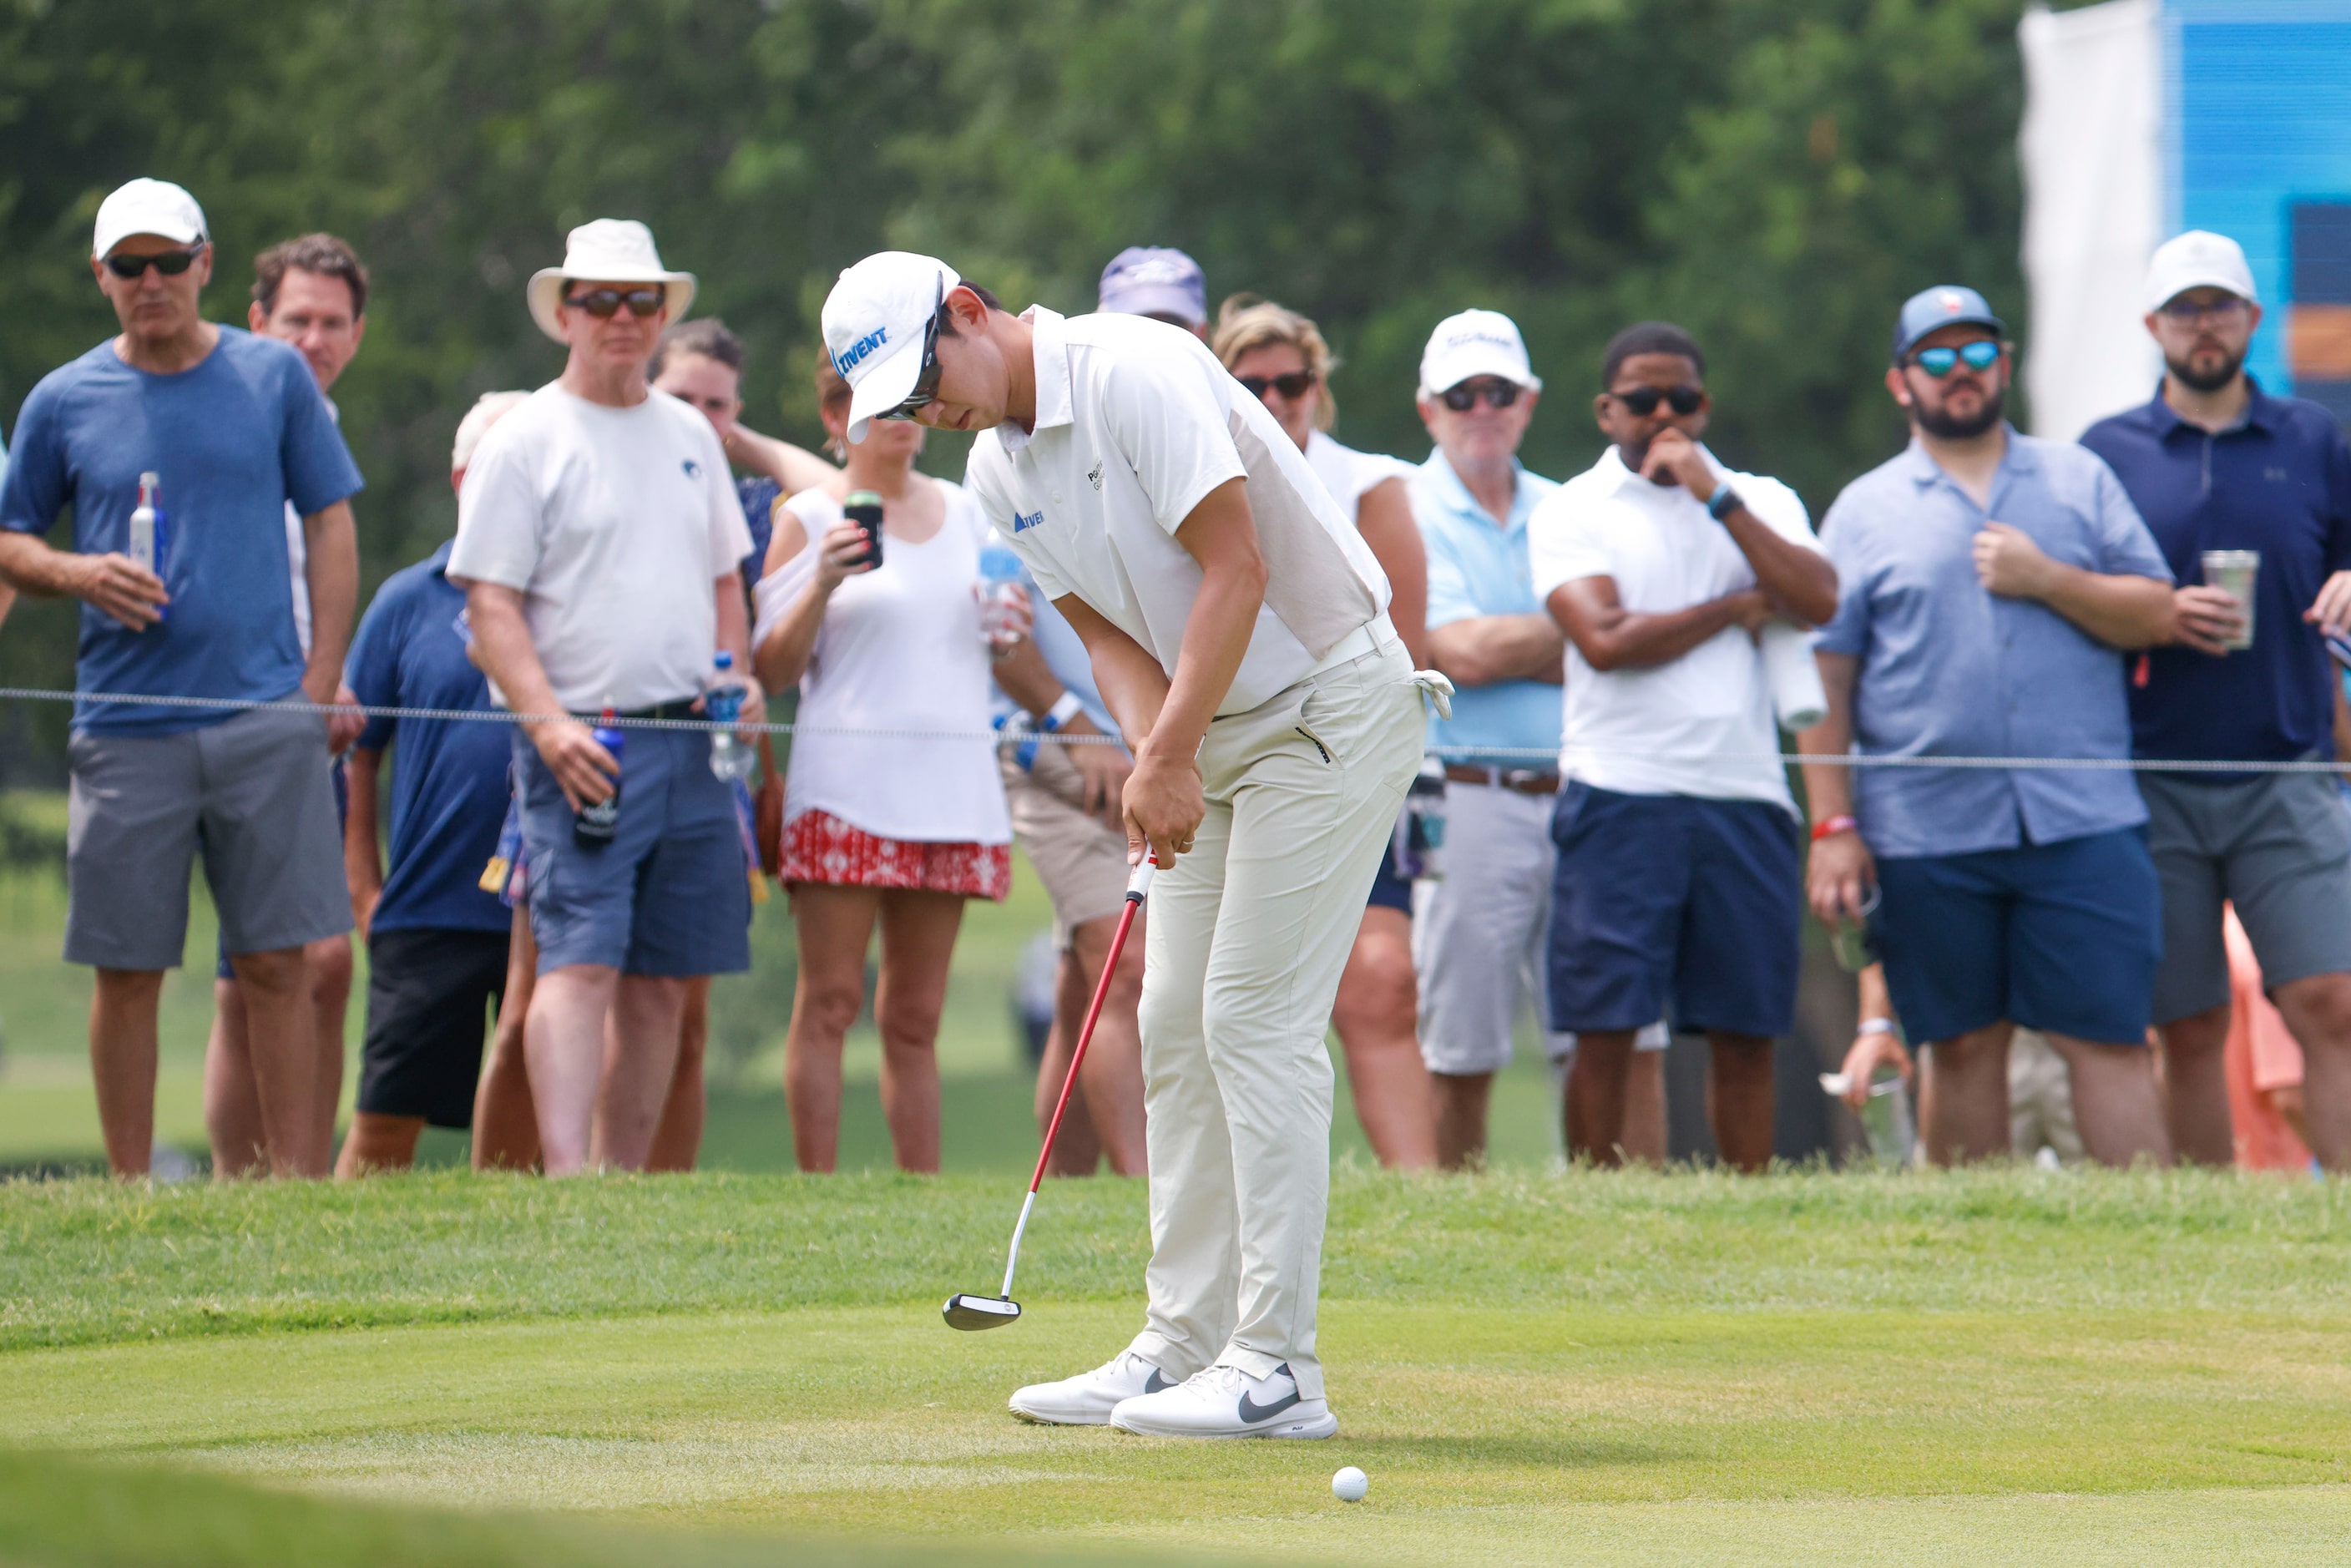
{"x": 1138, "y": 886}
{"x": 1086, "y": 1034}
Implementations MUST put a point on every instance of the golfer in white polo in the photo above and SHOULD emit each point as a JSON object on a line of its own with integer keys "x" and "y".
{"x": 1239, "y": 632}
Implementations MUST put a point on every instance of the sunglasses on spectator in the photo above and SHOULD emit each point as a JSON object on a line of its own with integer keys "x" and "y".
{"x": 1292, "y": 387}
{"x": 170, "y": 263}
{"x": 2186, "y": 312}
{"x": 1643, "y": 400}
{"x": 927, "y": 382}
{"x": 1938, "y": 362}
{"x": 1463, "y": 398}
{"x": 605, "y": 303}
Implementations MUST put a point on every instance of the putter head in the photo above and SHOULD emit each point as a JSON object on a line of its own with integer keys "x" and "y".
{"x": 975, "y": 1313}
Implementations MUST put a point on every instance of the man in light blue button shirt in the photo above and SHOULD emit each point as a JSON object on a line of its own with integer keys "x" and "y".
{"x": 1478, "y": 934}
{"x": 1990, "y": 584}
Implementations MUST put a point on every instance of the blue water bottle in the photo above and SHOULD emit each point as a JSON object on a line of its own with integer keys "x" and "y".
{"x": 729, "y": 758}
{"x": 592, "y": 827}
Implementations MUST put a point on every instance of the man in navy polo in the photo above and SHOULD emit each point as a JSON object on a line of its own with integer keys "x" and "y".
{"x": 1990, "y": 585}
{"x": 2213, "y": 463}
{"x": 436, "y": 941}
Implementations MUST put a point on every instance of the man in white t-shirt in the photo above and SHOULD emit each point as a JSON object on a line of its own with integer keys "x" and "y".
{"x": 1237, "y": 630}
{"x": 599, "y": 544}
{"x": 1680, "y": 884}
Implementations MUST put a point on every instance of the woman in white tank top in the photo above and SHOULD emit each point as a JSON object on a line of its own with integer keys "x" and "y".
{"x": 894, "y": 812}
{"x": 1280, "y": 357}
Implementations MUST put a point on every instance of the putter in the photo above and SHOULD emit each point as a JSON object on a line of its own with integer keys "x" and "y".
{"x": 973, "y": 1312}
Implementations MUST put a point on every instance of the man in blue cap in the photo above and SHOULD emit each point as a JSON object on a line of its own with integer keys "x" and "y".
{"x": 1990, "y": 584}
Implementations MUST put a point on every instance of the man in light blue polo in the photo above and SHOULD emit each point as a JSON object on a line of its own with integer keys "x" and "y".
{"x": 1991, "y": 584}
{"x": 1479, "y": 933}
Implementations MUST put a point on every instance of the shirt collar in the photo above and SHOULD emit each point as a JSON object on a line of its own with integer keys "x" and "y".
{"x": 1049, "y": 329}
{"x": 2260, "y": 414}
{"x": 1459, "y": 500}
{"x": 1925, "y": 471}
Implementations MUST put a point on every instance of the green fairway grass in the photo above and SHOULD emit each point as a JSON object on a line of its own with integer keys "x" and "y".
{"x": 1999, "y": 1366}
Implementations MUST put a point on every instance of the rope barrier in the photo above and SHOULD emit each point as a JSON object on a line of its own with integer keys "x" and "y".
{"x": 1008, "y": 736}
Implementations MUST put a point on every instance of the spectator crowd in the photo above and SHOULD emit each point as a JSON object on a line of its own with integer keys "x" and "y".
{"x": 2067, "y": 711}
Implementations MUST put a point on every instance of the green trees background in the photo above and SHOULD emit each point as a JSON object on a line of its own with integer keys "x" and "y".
{"x": 1775, "y": 174}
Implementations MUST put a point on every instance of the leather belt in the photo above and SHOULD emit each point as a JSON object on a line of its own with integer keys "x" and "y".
{"x": 682, "y": 708}
{"x": 1520, "y": 780}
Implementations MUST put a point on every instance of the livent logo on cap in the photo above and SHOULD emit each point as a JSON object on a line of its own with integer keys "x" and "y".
{"x": 853, "y": 355}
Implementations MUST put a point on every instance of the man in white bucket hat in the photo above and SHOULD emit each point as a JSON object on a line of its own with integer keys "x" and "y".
{"x": 599, "y": 545}
{"x": 1239, "y": 631}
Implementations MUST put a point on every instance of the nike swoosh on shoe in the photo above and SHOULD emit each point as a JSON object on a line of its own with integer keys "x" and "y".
{"x": 1155, "y": 1382}
{"x": 1252, "y": 1412}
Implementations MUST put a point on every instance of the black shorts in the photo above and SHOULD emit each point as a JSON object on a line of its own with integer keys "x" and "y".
{"x": 430, "y": 997}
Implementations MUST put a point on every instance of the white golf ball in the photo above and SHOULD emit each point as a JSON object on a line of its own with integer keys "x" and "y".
{"x": 1350, "y": 1484}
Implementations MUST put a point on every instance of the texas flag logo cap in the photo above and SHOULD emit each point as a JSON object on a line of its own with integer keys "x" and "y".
{"x": 875, "y": 320}
{"x": 1945, "y": 305}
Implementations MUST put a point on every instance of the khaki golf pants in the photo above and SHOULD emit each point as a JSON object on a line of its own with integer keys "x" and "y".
{"x": 1247, "y": 935}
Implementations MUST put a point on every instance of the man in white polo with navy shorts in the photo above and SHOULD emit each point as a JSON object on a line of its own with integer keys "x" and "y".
{"x": 1239, "y": 633}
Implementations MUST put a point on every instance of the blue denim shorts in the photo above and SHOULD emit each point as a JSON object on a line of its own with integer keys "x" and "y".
{"x": 669, "y": 896}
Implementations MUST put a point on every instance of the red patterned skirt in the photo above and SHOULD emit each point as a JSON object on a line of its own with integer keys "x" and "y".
{"x": 820, "y": 848}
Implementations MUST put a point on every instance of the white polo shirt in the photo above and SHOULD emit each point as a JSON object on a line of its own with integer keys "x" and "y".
{"x": 1136, "y": 422}
{"x": 1700, "y": 724}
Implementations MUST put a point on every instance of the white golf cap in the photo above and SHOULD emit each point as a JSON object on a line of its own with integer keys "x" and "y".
{"x": 875, "y": 321}
{"x": 609, "y": 250}
{"x": 1475, "y": 343}
{"x": 2198, "y": 259}
{"x": 147, "y": 207}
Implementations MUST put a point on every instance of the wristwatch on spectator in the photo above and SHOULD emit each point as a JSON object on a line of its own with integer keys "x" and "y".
{"x": 1721, "y": 503}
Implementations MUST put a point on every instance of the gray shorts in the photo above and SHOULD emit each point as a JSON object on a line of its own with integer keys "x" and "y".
{"x": 2279, "y": 848}
{"x": 251, "y": 791}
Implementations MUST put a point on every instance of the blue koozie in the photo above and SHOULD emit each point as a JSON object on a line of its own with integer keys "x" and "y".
{"x": 592, "y": 827}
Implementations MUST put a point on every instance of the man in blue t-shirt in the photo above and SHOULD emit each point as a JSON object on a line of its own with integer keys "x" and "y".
{"x": 437, "y": 943}
{"x": 233, "y": 427}
{"x": 2214, "y": 462}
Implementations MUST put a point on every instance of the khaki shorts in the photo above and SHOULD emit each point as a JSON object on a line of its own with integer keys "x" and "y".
{"x": 1081, "y": 862}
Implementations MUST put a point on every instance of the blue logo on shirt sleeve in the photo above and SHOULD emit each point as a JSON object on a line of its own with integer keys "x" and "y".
{"x": 1023, "y": 521}
{"x": 693, "y": 469}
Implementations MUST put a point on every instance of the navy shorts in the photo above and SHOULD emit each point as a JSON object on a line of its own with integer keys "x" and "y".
{"x": 669, "y": 896}
{"x": 430, "y": 997}
{"x": 1390, "y": 891}
{"x": 222, "y": 969}
{"x": 1676, "y": 906}
{"x": 2063, "y": 937}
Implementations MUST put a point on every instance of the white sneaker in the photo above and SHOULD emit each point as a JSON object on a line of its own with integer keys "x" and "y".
{"x": 1087, "y": 1399}
{"x": 1226, "y": 1402}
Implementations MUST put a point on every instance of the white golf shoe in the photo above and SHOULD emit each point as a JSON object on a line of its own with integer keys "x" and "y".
{"x": 1087, "y": 1399}
{"x": 1226, "y": 1402}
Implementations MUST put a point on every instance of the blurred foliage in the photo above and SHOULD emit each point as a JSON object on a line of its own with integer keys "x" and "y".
{"x": 1776, "y": 174}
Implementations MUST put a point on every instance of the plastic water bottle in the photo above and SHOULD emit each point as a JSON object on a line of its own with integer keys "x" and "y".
{"x": 592, "y": 827}
{"x": 151, "y": 533}
{"x": 999, "y": 589}
{"x": 729, "y": 757}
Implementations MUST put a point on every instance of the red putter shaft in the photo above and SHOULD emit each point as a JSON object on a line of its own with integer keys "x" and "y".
{"x": 1136, "y": 891}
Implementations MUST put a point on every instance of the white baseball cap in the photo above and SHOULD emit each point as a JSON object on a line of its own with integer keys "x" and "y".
{"x": 1475, "y": 343}
{"x": 147, "y": 207}
{"x": 2198, "y": 259}
{"x": 609, "y": 250}
{"x": 875, "y": 320}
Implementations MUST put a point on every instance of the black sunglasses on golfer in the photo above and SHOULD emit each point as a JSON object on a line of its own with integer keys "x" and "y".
{"x": 1643, "y": 400}
{"x": 926, "y": 380}
{"x": 170, "y": 263}
{"x": 1292, "y": 387}
{"x": 605, "y": 303}
{"x": 1463, "y": 398}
